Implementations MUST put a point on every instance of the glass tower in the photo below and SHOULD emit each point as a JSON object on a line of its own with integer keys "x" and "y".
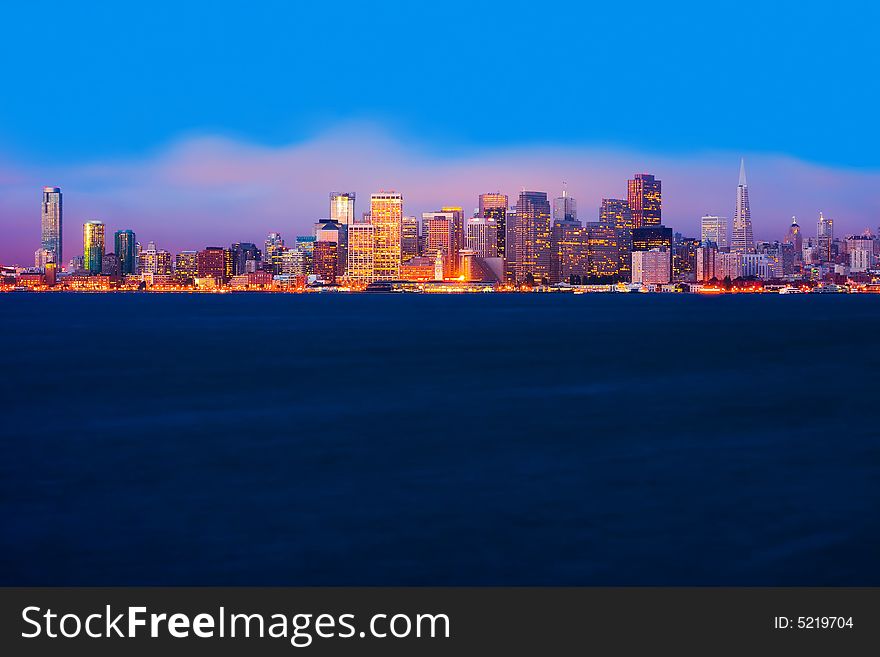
{"x": 50, "y": 233}
{"x": 93, "y": 246}
{"x": 126, "y": 250}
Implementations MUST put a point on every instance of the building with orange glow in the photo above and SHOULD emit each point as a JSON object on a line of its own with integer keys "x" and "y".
{"x": 643, "y": 194}
{"x": 211, "y": 263}
{"x": 532, "y": 239}
{"x": 494, "y": 206}
{"x": 386, "y": 216}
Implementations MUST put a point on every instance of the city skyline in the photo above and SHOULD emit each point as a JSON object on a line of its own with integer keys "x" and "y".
{"x": 225, "y": 210}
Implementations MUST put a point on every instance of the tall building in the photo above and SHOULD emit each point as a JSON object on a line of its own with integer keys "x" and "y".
{"x": 795, "y": 238}
{"x": 93, "y": 246}
{"x": 728, "y": 265}
{"x": 211, "y": 263}
{"x": 825, "y": 235}
{"x": 409, "y": 241}
{"x": 386, "y": 216}
{"x": 616, "y": 212}
{"x": 494, "y": 206}
{"x": 714, "y": 229}
{"x": 126, "y": 250}
{"x": 458, "y": 233}
{"x": 564, "y": 208}
{"x": 684, "y": 258}
{"x": 532, "y": 237}
{"x": 154, "y": 261}
{"x": 568, "y": 251}
{"x": 110, "y": 266}
{"x": 361, "y": 245}
{"x": 342, "y": 207}
{"x": 274, "y": 248}
{"x": 186, "y": 266}
{"x": 242, "y": 253}
{"x": 602, "y": 251}
{"x": 861, "y": 252}
{"x": 645, "y": 200}
{"x": 439, "y": 238}
{"x": 706, "y": 261}
{"x": 326, "y": 260}
{"x": 652, "y": 237}
{"x": 332, "y": 232}
{"x": 51, "y": 223}
{"x": 743, "y": 240}
{"x": 482, "y": 236}
{"x": 651, "y": 267}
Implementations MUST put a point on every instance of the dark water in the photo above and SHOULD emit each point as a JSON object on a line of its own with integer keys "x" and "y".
{"x": 406, "y": 439}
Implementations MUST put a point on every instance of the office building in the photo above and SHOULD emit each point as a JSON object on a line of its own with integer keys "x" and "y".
{"x": 825, "y": 238}
{"x": 564, "y": 208}
{"x": 532, "y": 239}
{"x": 211, "y": 263}
{"x": 714, "y": 229}
{"x": 409, "y": 241}
{"x": 482, "y": 236}
{"x": 342, "y": 207}
{"x": 361, "y": 246}
{"x": 743, "y": 241}
{"x": 645, "y": 200}
{"x": 651, "y": 267}
{"x": 126, "y": 250}
{"x": 386, "y": 216}
{"x": 616, "y": 212}
{"x": 51, "y": 223}
{"x": 494, "y": 206}
{"x": 93, "y": 246}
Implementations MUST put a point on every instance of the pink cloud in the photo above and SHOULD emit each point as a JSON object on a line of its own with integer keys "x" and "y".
{"x": 215, "y": 190}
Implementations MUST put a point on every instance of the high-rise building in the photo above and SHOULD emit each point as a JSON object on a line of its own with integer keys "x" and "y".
{"x": 274, "y": 248}
{"x": 728, "y": 265}
{"x": 211, "y": 263}
{"x": 361, "y": 246}
{"x": 342, "y": 207}
{"x": 482, "y": 236}
{"x": 386, "y": 216}
{"x": 126, "y": 250}
{"x": 494, "y": 206}
{"x": 532, "y": 237}
{"x": 564, "y": 208}
{"x": 569, "y": 256}
{"x": 110, "y": 266}
{"x": 795, "y": 238}
{"x": 603, "y": 251}
{"x": 652, "y": 237}
{"x": 743, "y": 240}
{"x": 458, "y": 232}
{"x": 409, "y": 241}
{"x": 242, "y": 253}
{"x": 93, "y": 246}
{"x": 154, "y": 261}
{"x": 825, "y": 235}
{"x": 186, "y": 266}
{"x": 706, "y": 261}
{"x": 861, "y": 252}
{"x": 616, "y": 212}
{"x": 645, "y": 200}
{"x": 684, "y": 258}
{"x": 439, "y": 232}
{"x": 714, "y": 229}
{"x": 326, "y": 260}
{"x": 306, "y": 245}
{"x": 332, "y": 231}
{"x": 51, "y": 223}
{"x": 651, "y": 267}
{"x": 294, "y": 263}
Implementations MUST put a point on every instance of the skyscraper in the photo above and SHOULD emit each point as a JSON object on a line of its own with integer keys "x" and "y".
{"x": 714, "y": 229}
{"x": 126, "y": 250}
{"x": 274, "y": 248}
{"x": 564, "y": 208}
{"x": 532, "y": 236}
{"x": 617, "y": 213}
{"x": 494, "y": 206}
{"x": 743, "y": 240}
{"x": 211, "y": 263}
{"x": 386, "y": 216}
{"x": 361, "y": 243}
{"x": 242, "y": 252}
{"x": 482, "y": 237}
{"x": 342, "y": 207}
{"x": 93, "y": 246}
{"x": 825, "y": 235}
{"x": 50, "y": 225}
{"x": 568, "y": 248}
{"x": 439, "y": 231}
{"x": 409, "y": 241}
{"x": 645, "y": 200}
{"x": 795, "y": 238}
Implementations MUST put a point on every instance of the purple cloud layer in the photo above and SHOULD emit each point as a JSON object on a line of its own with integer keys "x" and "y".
{"x": 214, "y": 190}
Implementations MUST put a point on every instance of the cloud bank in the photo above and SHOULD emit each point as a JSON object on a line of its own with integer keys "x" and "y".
{"x": 212, "y": 190}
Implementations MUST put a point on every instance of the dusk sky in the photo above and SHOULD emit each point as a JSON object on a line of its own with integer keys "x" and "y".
{"x": 205, "y": 123}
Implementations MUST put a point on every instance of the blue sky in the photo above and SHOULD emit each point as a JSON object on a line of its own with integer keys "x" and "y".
{"x": 97, "y": 84}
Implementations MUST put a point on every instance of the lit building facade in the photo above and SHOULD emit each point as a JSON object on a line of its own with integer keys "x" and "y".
{"x": 825, "y": 238}
{"x": 494, "y": 206}
{"x": 186, "y": 266}
{"x": 564, "y": 208}
{"x": 126, "y": 250}
{"x": 569, "y": 251}
{"x": 361, "y": 243}
{"x": 714, "y": 229}
{"x": 211, "y": 263}
{"x": 409, "y": 240}
{"x": 743, "y": 240}
{"x": 651, "y": 267}
{"x": 93, "y": 246}
{"x": 482, "y": 236}
{"x": 532, "y": 237}
{"x": 602, "y": 251}
{"x": 645, "y": 199}
{"x": 386, "y": 216}
{"x": 342, "y": 207}
{"x": 439, "y": 237}
{"x": 274, "y": 248}
{"x": 51, "y": 223}
{"x": 616, "y": 212}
